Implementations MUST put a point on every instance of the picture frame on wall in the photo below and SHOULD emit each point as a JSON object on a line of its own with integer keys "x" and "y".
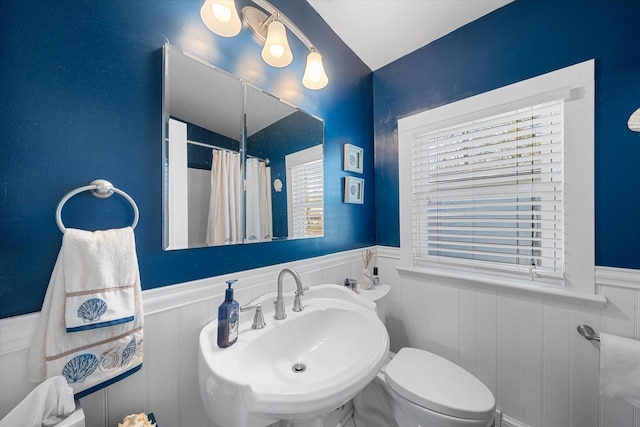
{"x": 353, "y": 158}
{"x": 353, "y": 190}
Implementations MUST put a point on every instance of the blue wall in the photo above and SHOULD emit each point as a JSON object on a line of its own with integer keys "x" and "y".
{"x": 81, "y": 99}
{"x": 521, "y": 40}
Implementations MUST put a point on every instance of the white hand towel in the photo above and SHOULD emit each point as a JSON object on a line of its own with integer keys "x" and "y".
{"x": 88, "y": 359}
{"x": 47, "y": 405}
{"x": 620, "y": 368}
{"x": 100, "y": 274}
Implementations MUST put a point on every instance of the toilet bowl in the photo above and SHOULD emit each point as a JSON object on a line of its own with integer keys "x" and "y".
{"x": 417, "y": 388}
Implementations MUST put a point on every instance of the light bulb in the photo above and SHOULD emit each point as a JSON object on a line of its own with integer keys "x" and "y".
{"x": 221, "y": 12}
{"x": 276, "y": 50}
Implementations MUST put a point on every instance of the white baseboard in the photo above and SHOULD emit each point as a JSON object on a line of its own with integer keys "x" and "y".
{"x": 510, "y": 422}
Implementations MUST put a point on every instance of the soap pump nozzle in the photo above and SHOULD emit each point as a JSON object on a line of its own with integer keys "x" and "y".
{"x": 228, "y": 293}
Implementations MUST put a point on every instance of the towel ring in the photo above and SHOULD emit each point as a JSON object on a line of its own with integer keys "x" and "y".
{"x": 99, "y": 188}
{"x": 588, "y": 332}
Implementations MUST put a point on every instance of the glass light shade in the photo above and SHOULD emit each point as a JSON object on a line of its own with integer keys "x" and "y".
{"x": 276, "y": 51}
{"x": 634, "y": 121}
{"x": 314, "y": 75}
{"x": 221, "y": 17}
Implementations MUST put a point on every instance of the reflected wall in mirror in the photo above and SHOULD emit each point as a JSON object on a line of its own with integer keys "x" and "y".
{"x": 240, "y": 165}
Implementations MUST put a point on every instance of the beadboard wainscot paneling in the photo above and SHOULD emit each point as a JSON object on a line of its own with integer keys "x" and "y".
{"x": 167, "y": 384}
{"x": 621, "y": 316}
{"x": 524, "y": 347}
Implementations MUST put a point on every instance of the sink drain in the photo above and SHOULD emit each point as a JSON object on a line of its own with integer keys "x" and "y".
{"x": 299, "y": 367}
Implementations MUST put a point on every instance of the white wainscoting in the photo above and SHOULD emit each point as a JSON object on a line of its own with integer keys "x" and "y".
{"x": 524, "y": 348}
{"x": 167, "y": 384}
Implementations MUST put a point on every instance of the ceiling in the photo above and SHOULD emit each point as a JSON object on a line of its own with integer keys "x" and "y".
{"x": 381, "y": 31}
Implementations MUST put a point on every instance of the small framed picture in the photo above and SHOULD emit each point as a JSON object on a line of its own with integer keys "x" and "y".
{"x": 353, "y": 190}
{"x": 352, "y": 158}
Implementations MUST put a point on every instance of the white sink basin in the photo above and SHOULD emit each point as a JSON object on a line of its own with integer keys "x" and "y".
{"x": 338, "y": 338}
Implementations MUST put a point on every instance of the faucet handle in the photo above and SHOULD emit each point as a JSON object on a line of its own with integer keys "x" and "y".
{"x": 297, "y": 304}
{"x": 352, "y": 284}
{"x": 258, "y": 319}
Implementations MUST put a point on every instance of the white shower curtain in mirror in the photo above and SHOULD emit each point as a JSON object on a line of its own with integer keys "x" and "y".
{"x": 259, "y": 217}
{"x": 224, "y": 226}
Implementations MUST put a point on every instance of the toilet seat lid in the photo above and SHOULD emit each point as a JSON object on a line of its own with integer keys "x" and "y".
{"x": 437, "y": 384}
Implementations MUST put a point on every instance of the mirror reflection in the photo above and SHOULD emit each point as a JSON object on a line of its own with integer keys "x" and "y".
{"x": 240, "y": 165}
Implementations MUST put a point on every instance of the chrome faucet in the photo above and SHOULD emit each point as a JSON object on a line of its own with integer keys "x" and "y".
{"x": 279, "y": 302}
{"x": 258, "y": 319}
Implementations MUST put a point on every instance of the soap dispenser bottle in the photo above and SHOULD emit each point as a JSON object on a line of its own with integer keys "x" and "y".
{"x": 228, "y": 318}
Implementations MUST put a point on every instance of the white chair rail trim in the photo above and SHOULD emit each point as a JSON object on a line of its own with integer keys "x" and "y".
{"x": 619, "y": 277}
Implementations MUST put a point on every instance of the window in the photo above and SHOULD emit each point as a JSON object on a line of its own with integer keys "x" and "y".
{"x": 488, "y": 192}
{"x": 305, "y": 192}
{"x": 501, "y": 184}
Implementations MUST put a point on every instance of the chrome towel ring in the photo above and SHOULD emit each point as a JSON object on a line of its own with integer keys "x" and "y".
{"x": 588, "y": 332}
{"x": 99, "y": 188}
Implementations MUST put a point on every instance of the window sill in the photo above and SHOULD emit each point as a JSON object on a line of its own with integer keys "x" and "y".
{"x": 506, "y": 284}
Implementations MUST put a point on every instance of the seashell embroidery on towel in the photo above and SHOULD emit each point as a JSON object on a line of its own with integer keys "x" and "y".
{"x": 139, "y": 348}
{"x": 110, "y": 360}
{"x": 92, "y": 310}
{"x": 128, "y": 352}
{"x": 80, "y": 367}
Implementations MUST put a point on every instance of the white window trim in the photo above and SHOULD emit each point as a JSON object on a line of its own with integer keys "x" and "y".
{"x": 576, "y": 83}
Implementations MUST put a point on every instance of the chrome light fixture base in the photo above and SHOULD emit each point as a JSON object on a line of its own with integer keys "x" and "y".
{"x": 256, "y": 21}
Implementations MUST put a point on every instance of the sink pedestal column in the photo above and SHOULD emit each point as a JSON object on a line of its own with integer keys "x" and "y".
{"x": 315, "y": 422}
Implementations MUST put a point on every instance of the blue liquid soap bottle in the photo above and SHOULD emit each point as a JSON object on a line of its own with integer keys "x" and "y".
{"x": 228, "y": 318}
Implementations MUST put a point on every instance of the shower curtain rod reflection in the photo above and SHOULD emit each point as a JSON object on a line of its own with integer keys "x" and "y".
{"x": 215, "y": 147}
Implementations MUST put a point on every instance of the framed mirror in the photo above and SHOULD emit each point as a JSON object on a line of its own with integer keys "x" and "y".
{"x": 240, "y": 165}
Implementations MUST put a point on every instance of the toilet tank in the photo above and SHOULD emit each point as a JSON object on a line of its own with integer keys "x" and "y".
{"x": 379, "y": 295}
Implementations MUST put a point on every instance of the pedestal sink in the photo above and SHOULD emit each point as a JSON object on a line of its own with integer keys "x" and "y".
{"x": 297, "y": 369}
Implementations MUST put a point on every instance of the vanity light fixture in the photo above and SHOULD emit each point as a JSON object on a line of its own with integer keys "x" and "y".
{"x": 270, "y": 28}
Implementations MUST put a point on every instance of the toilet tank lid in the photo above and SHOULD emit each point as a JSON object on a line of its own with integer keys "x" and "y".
{"x": 437, "y": 384}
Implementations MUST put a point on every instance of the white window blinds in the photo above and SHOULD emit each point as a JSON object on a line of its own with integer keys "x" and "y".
{"x": 307, "y": 199}
{"x": 489, "y": 193}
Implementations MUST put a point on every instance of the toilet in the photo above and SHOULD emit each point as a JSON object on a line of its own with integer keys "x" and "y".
{"x": 416, "y": 388}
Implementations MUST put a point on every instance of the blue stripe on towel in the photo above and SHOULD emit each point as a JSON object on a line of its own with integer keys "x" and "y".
{"x": 101, "y": 324}
{"x": 107, "y": 383}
